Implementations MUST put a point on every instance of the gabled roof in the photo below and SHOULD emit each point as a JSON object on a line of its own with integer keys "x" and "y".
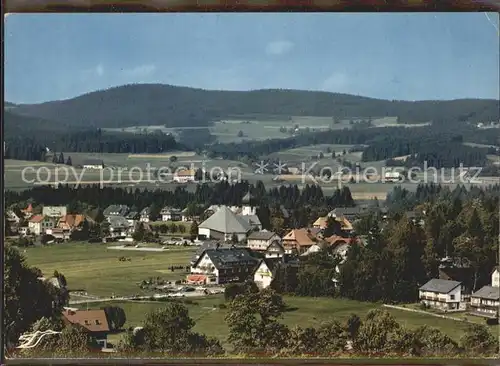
{"x": 247, "y": 198}
{"x": 208, "y": 245}
{"x": 29, "y": 208}
{"x": 271, "y": 263}
{"x": 275, "y": 245}
{"x": 228, "y": 257}
{"x": 92, "y": 320}
{"x": 72, "y": 220}
{"x": 226, "y": 221}
{"x": 36, "y": 218}
{"x": 118, "y": 221}
{"x": 321, "y": 222}
{"x": 169, "y": 210}
{"x": 132, "y": 215}
{"x": 145, "y": 211}
{"x": 301, "y": 236}
{"x": 346, "y": 211}
{"x": 440, "y": 286}
{"x": 335, "y": 240}
{"x": 315, "y": 248}
{"x": 488, "y": 292}
{"x": 261, "y": 235}
{"x": 120, "y": 209}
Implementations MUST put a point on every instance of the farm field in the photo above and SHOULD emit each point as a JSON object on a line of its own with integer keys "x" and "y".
{"x": 303, "y": 311}
{"x": 97, "y": 270}
{"x": 252, "y": 127}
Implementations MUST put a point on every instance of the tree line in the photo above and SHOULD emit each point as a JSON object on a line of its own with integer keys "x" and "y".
{"x": 39, "y": 147}
{"x": 399, "y": 254}
{"x": 435, "y": 144}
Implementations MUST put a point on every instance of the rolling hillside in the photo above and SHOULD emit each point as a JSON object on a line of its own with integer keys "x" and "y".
{"x": 173, "y": 106}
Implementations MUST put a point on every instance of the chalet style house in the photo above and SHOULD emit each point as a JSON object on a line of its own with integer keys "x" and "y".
{"x": 442, "y": 294}
{"x": 94, "y": 322}
{"x": 261, "y": 240}
{"x": 222, "y": 265}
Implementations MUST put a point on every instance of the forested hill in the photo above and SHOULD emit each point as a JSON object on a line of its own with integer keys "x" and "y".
{"x": 156, "y": 104}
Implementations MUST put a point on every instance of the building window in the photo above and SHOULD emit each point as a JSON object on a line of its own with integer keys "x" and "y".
{"x": 452, "y": 297}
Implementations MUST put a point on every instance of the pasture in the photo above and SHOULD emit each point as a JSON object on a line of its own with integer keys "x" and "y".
{"x": 97, "y": 270}
{"x": 303, "y": 311}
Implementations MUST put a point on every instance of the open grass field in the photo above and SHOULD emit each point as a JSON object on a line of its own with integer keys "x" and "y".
{"x": 97, "y": 270}
{"x": 304, "y": 312}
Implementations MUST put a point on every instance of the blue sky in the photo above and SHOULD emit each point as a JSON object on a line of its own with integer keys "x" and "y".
{"x": 392, "y": 56}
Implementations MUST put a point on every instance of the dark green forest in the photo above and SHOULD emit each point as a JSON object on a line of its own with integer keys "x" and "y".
{"x": 174, "y": 106}
{"x": 34, "y": 148}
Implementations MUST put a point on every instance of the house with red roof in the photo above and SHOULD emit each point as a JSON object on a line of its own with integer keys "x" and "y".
{"x": 95, "y": 322}
{"x": 39, "y": 224}
{"x": 28, "y": 211}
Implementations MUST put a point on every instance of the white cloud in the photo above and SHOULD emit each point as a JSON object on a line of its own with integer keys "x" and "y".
{"x": 336, "y": 82}
{"x": 277, "y": 48}
{"x": 140, "y": 71}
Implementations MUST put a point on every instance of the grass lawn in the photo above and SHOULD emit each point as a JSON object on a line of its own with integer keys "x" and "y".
{"x": 97, "y": 270}
{"x": 304, "y": 312}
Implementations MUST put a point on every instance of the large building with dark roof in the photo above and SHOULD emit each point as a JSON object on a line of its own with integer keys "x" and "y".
{"x": 223, "y": 265}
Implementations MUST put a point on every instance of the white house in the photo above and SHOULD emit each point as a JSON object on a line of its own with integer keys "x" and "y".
{"x": 184, "y": 176}
{"x": 93, "y": 164}
{"x": 392, "y": 176}
{"x": 12, "y": 217}
{"x": 170, "y": 214}
{"x": 23, "y": 230}
{"x": 223, "y": 224}
{"x": 265, "y": 272}
{"x": 145, "y": 214}
{"x": 495, "y": 278}
{"x": 54, "y": 211}
{"x": 441, "y": 294}
{"x": 132, "y": 218}
{"x": 261, "y": 240}
{"x": 38, "y": 224}
{"x": 222, "y": 265}
{"x": 119, "y": 227}
{"x": 486, "y": 302}
{"x": 275, "y": 250}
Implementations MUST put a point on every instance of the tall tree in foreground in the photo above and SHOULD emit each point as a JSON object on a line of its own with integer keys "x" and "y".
{"x": 27, "y": 299}
{"x": 169, "y": 330}
{"x": 253, "y": 322}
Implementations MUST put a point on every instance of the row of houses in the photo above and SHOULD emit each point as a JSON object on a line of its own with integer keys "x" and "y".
{"x": 257, "y": 253}
{"x": 451, "y": 296}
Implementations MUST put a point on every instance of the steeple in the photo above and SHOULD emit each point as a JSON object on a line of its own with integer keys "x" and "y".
{"x": 246, "y": 198}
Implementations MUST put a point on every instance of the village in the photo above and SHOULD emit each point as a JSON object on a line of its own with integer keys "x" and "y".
{"x": 231, "y": 246}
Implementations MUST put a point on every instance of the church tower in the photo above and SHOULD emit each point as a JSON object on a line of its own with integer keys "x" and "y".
{"x": 248, "y": 204}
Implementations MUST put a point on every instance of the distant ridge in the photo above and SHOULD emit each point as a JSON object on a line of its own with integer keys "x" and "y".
{"x": 175, "y": 106}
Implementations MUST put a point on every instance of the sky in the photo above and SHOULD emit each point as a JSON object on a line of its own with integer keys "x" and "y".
{"x": 404, "y": 56}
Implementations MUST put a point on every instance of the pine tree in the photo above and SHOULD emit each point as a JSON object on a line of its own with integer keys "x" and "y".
{"x": 69, "y": 162}
{"x": 61, "y": 158}
{"x": 194, "y": 230}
